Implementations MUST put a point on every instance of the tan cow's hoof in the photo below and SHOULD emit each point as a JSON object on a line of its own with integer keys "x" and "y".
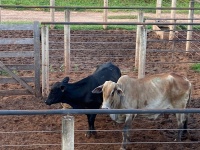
{"x": 65, "y": 106}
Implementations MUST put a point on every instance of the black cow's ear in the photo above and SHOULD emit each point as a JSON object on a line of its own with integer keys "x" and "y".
{"x": 98, "y": 89}
{"x": 62, "y": 87}
{"x": 65, "y": 80}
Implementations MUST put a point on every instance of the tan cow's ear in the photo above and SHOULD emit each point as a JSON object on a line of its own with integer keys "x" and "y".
{"x": 98, "y": 89}
{"x": 119, "y": 90}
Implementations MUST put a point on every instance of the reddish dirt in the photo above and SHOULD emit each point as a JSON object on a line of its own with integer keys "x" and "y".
{"x": 83, "y": 62}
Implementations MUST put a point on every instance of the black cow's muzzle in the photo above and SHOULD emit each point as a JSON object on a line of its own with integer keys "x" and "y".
{"x": 46, "y": 102}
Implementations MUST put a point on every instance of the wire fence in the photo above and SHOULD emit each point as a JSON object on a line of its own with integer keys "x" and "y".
{"x": 33, "y": 139}
{"x": 90, "y": 48}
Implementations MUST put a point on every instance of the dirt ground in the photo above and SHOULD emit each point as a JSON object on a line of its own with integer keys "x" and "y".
{"x": 43, "y": 132}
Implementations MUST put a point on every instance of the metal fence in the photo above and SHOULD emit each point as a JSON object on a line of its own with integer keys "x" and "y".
{"x": 67, "y": 131}
{"x": 89, "y": 48}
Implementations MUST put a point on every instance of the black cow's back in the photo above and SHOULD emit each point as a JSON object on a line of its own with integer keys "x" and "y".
{"x": 106, "y": 72}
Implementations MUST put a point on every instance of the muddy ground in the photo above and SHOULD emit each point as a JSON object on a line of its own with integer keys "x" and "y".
{"x": 115, "y": 46}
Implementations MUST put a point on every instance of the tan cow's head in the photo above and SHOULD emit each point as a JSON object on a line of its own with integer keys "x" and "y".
{"x": 111, "y": 94}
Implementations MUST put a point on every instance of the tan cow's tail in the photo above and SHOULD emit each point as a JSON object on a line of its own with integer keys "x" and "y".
{"x": 189, "y": 99}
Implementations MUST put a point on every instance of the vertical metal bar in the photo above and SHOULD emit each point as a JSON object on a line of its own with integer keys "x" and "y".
{"x": 158, "y": 14}
{"x": 138, "y": 33}
{"x": 142, "y": 52}
{"x": 68, "y": 133}
{"x": 52, "y": 13}
{"x": 190, "y": 27}
{"x": 105, "y": 14}
{"x": 67, "y": 43}
{"x": 173, "y": 15}
{"x": 43, "y": 35}
{"x": 45, "y": 60}
{"x": 158, "y": 11}
{"x": 36, "y": 35}
{"x": 0, "y": 12}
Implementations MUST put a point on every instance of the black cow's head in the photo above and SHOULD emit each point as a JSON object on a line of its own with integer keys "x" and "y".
{"x": 57, "y": 92}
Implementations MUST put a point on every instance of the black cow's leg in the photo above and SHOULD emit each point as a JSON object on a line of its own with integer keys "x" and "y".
{"x": 91, "y": 128}
{"x": 185, "y": 123}
{"x": 182, "y": 125}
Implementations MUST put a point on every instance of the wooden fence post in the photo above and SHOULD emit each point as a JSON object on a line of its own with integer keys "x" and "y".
{"x": 158, "y": 11}
{"x": 68, "y": 133}
{"x": 142, "y": 52}
{"x": 105, "y": 14}
{"x": 45, "y": 61}
{"x": 173, "y": 15}
{"x": 52, "y": 13}
{"x": 138, "y": 32}
{"x": 0, "y": 12}
{"x": 190, "y": 27}
{"x": 36, "y": 30}
{"x": 67, "y": 42}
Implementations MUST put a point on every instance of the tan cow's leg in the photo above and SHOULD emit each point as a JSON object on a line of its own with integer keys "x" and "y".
{"x": 125, "y": 132}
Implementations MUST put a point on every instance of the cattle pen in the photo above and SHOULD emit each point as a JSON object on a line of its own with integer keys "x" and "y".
{"x": 27, "y": 123}
{"x": 68, "y": 130}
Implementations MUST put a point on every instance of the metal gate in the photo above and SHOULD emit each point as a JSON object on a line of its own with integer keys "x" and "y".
{"x": 12, "y": 73}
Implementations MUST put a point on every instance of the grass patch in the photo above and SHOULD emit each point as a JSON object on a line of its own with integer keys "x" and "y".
{"x": 88, "y": 27}
{"x": 99, "y": 3}
{"x": 100, "y": 27}
{"x": 184, "y": 27}
{"x": 196, "y": 67}
{"x": 18, "y": 22}
{"x": 3, "y": 73}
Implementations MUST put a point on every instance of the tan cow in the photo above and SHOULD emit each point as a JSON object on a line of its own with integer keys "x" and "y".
{"x": 160, "y": 91}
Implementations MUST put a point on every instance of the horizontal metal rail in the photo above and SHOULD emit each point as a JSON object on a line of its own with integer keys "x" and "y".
{"x": 171, "y": 19}
{"x": 93, "y": 7}
{"x": 59, "y": 131}
{"x": 137, "y": 142}
{"x": 119, "y": 23}
{"x": 30, "y": 145}
{"x": 97, "y": 111}
{"x": 94, "y": 42}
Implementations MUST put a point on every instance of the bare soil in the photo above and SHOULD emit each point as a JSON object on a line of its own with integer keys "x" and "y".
{"x": 12, "y": 127}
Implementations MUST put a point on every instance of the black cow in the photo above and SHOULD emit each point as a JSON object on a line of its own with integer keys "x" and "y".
{"x": 79, "y": 95}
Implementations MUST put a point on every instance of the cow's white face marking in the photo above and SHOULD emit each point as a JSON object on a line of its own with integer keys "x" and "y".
{"x": 108, "y": 93}
{"x": 105, "y": 105}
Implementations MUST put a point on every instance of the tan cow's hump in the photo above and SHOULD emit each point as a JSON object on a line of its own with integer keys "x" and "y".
{"x": 180, "y": 82}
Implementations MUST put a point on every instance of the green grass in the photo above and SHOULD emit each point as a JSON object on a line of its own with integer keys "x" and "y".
{"x": 184, "y": 27}
{"x": 3, "y": 73}
{"x": 97, "y": 27}
{"x": 99, "y": 3}
{"x": 100, "y": 27}
{"x": 196, "y": 67}
{"x": 87, "y": 27}
{"x": 18, "y": 22}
